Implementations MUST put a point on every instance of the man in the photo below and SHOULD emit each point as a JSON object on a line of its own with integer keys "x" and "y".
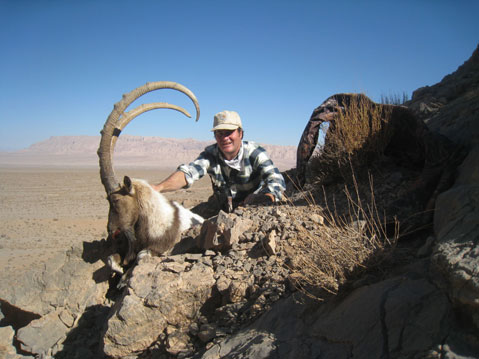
{"x": 241, "y": 172}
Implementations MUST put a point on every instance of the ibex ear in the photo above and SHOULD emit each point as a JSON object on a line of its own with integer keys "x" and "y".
{"x": 127, "y": 183}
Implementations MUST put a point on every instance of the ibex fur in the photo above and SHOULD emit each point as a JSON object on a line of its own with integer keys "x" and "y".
{"x": 151, "y": 223}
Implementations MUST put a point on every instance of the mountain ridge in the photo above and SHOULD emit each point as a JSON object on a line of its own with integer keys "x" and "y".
{"x": 130, "y": 151}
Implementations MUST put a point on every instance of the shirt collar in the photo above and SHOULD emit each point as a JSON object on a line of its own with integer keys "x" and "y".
{"x": 237, "y": 162}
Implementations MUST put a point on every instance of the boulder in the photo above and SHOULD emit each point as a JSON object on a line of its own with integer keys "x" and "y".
{"x": 157, "y": 297}
{"x": 43, "y": 306}
{"x": 222, "y": 231}
{"x": 7, "y": 350}
{"x": 456, "y": 254}
{"x": 450, "y": 106}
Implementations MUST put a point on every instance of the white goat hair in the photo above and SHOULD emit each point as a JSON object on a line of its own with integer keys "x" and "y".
{"x": 151, "y": 223}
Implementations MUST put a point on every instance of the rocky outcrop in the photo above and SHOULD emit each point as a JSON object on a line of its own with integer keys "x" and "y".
{"x": 179, "y": 303}
{"x": 456, "y": 225}
{"x": 404, "y": 316}
{"x": 163, "y": 295}
{"x": 43, "y": 306}
{"x": 451, "y": 107}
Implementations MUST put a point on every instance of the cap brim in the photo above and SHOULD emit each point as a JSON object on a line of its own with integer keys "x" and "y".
{"x": 225, "y": 126}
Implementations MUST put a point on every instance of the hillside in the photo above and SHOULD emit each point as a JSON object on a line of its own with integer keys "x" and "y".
{"x": 131, "y": 151}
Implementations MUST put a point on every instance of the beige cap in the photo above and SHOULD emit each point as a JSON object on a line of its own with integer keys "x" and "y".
{"x": 226, "y": 120}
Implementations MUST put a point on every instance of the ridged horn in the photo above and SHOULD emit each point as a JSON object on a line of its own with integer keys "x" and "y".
{"x": 118, "y": 119}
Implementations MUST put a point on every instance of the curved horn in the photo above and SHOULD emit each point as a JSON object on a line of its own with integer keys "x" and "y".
{"x": 118, "y": 119}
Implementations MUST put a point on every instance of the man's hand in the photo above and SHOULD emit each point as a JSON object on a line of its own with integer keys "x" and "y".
{"x": 259, "y": 198}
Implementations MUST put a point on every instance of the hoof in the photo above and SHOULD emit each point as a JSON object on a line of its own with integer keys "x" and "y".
{"x": 114, "y": 266}
{"x": 143, "y": 253}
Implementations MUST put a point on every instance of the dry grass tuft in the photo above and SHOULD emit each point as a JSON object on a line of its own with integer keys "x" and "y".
{"x": 324, "y": 259}
{"x": 395, "y": 99}
{"x": 358, "y": 134}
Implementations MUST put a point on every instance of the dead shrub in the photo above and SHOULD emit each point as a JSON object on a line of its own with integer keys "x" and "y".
{"x": 324, "y": 259}
{"x": 358, "y": 134}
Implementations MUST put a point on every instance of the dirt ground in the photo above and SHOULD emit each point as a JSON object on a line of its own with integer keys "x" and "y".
{"x": 46, "y": 211}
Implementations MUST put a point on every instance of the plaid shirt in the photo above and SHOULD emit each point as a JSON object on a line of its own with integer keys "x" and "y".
{"x": 257, "y": 172}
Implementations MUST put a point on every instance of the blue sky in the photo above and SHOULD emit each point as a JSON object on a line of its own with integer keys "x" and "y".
{"x": 64, "y": 63}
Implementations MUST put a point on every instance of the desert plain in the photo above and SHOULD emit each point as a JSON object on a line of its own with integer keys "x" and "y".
{"x": 46, "y": 210}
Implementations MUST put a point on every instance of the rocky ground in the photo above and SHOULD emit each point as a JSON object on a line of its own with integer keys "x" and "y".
{"x": 46, "y": 212}
{"x": 255, "y": 269}
{"x": 235, "y": 293}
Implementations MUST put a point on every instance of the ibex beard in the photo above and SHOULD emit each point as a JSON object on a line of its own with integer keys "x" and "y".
{"x": 151, "y": 223}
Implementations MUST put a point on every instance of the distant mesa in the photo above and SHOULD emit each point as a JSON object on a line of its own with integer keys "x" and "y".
{"x": 130, "y": 151}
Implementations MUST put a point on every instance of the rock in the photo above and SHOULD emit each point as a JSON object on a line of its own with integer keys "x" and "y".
{"x": 65, "y": 281}
{"x": 156, "y": 297}
{"x": 270, "y": 243}
{"x": 426, "y": 248}
{"x": 244, "y": 345}
{"x": 456, "y": 254}
{"x": 55, "y": 298}
{"x": 223, "y": 231}
{"x": 177, "y": 342}
{"x": 386, "y": 319}
{"x": 207, "y": 332}
{"x": 237, "y": 291}
{"x": 453, "y": 102}
{"x": 42, "y": 334}
{"x": 223, "y": 284}
{"x": 7, "y": 350}
{"x": 316, "y": 218}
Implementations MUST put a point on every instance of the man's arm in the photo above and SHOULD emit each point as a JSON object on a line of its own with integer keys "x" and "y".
{"x": 273, "y": 181}
{"x": 174, "y": 182}
{"x": 274, "y": 184}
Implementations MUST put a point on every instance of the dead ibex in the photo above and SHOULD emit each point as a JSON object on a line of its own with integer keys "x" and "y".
{"x": 149, "y": 222}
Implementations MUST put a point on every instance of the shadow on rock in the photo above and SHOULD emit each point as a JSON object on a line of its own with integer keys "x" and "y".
{"x": 85, "y": 340}
{"x": 98, "y": 251}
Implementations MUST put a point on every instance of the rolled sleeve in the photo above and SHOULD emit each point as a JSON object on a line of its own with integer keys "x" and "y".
{"x": 273, "y": 179}
{"x": 195, "y": 170}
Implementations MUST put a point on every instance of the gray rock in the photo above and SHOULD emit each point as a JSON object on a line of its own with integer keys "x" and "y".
{"x": 401, "y": 315}
{"x": 207, "y": 332}
{"x": 67, "y": 280}
{"x": 456, "y": 225}
{"x": 7, "y": 350}
{"x": 55, "y": 298}
{"x": 450, "y": 106}
{"x": 223, "y": 231}
{"x": 41, "y": 335}
{"x": 156, "y": 297}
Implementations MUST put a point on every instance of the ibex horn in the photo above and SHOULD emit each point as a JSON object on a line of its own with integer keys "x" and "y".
{"x": 118, "y": 119}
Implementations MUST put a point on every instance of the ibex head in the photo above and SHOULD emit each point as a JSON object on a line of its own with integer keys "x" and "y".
{"x": 124, "y": 209}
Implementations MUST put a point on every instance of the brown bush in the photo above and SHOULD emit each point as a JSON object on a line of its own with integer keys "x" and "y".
{"x": 325, "y": 258}
{"x": 357, "y": 135}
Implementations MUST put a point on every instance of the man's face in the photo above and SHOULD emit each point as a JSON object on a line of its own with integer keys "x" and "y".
{"x": 229, "y": 142}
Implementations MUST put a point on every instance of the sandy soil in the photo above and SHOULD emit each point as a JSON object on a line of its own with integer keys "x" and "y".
{"x": 46, "y": 211}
